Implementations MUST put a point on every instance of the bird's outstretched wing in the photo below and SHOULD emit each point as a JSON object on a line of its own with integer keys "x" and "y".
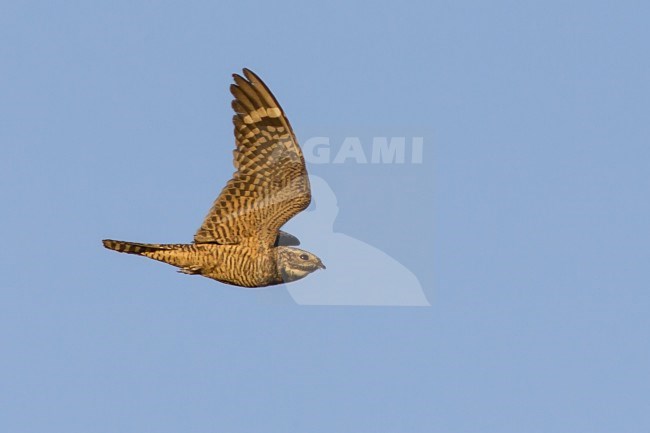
{"x": 270, "y": 184}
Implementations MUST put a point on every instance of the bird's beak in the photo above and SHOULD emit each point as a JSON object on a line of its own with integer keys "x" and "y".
{"x": 321, "y": 265}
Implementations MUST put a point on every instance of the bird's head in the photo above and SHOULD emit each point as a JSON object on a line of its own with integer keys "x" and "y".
{"x": 294, "y": 263}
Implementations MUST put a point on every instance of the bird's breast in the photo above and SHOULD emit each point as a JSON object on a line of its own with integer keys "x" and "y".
{"x": 244, "y": 266}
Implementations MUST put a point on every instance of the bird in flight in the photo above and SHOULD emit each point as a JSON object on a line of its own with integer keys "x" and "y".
{"x": 240, "y": 241}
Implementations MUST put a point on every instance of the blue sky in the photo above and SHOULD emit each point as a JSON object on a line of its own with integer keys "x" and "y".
{"x": 526, "y": 223}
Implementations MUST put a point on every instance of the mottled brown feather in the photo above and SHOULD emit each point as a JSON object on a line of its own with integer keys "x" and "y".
{"x": 270, "y": 184}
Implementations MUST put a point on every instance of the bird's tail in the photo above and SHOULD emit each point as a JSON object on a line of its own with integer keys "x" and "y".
{"x": 136, "y": 248}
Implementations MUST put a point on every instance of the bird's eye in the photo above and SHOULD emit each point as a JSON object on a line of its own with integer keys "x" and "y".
{"x": 304, "y": 256}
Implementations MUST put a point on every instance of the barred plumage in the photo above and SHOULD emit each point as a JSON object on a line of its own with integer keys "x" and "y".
{"x": 240, "y": 241}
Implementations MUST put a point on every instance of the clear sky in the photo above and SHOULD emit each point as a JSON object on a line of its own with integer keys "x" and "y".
{"x": 526, "y": 223}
